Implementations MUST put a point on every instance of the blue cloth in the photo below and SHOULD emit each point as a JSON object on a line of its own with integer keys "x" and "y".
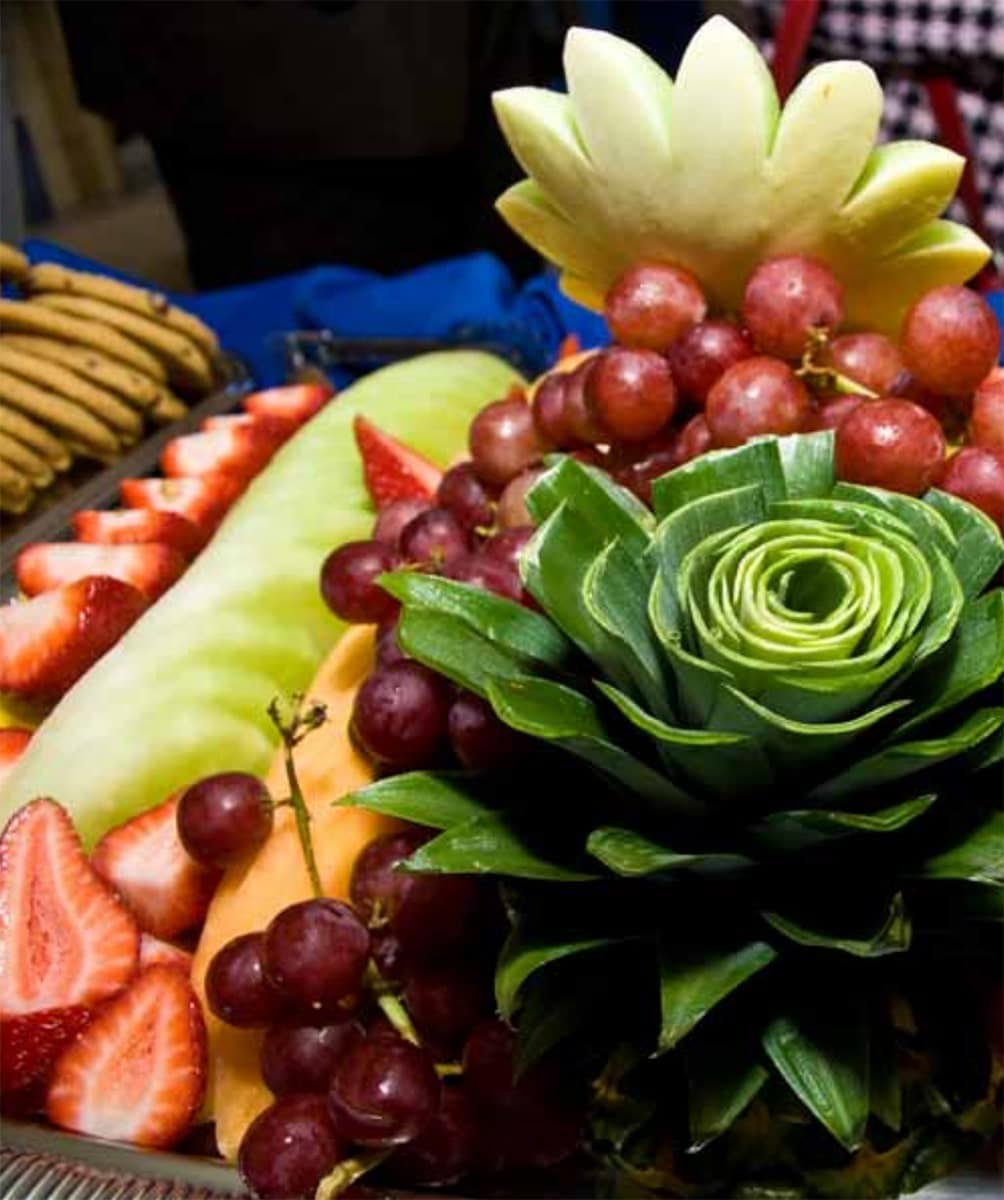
{"x": 469, "y": 299}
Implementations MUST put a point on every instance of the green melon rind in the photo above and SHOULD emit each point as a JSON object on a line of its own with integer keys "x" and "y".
{"x": 184, "y": 693}
{"x": 708, "y": 173}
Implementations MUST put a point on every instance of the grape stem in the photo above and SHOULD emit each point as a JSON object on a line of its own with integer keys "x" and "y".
{"x": 823, "y": 378}
{"x": 345, "y": 1173}
{"x": 303, "y": 717}
{"x": 391, "y": 1005}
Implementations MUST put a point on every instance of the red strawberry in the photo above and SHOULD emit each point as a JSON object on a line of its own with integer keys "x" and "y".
{"x": 278, "y": 429}
{"x": 145, "y": 862}
{"x": 392, "y": 470}
{"x": 296, "y": 402}
{"x": 138, "y": 1072}
{"x": 241, "y": 451}
{"x": 133, "y": 526}
{"x": 64, "y": 938}
{"x": 46, "y": 644}
{"x": 150, "y": 567}
{"x": 204, "y": 501}
{"x": 30, "y": 1043}
{"x": 152, "y": 950}
{"x": 13, "y": 743}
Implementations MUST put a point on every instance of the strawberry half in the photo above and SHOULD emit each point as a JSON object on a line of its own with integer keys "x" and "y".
{"x": 30, "y": 1044}
{"x": 151, "y": 567}
{"x": 392, "y": 470}
{"x": 134, "y": 526}
{"x": 46, "y": 644}
{"x": 204, "y": 501}
{"x": 153, "y": 951}
{"x": 13, "y": 743}
{"x": 278, "y": 429}
{"x": 242, "y": 451}
{"x": 295, "y": 402}
{"x": 146, "y": 864}
{"x": 138, "y": 1072}
{"x": 64, "y": 938}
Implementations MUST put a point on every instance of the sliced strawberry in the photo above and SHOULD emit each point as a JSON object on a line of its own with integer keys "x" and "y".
{"x": 204, "y": 501}
{"x": 64, "y": 938}
{"x": 134, "y": 526}
{"x": 150, "y": 567}
{"x": 392, "y": 470}
{"x": 138, "y": 1072}
{"x": 13, "y": 743}
{"x": 30, "y": 1043}
{"x": 152, "y": 950}
{"x": 295, "y": 402}
{"x": 46, "y": 644}
{"x": 242, "y": 451}
{"x": 278, "y": 429}
{"x": 146, "y": 864}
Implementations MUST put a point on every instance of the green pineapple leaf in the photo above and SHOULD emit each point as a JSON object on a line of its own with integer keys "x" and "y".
{"x": 627, "y": 852}
{"x": 435, "y": 800}
{"x": 891, "y": 937}
{"x": 724, "y": 1074}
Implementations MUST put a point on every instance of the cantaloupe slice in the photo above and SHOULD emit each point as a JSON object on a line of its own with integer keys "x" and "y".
{"x": 708, "y": 172}
{"x": 252, "y": 893}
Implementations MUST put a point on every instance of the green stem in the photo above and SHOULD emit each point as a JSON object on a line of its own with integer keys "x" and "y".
{"x": 304, "y": 719}
{"x": 344, "y": 1174}
{"x": 446, "y": 1070}
{"x": 391, "y": 1005}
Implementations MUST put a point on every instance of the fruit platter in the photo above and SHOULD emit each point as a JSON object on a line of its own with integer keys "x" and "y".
{"x": 587, "y": 785}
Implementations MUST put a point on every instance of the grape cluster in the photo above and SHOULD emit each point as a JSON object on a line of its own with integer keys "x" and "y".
{"x": 430, "y": 1094}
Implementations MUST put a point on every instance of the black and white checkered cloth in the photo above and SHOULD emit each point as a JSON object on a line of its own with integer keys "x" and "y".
{"x": 905, "y": 40}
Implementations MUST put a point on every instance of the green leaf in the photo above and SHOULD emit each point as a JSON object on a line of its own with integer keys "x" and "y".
{"x": 929, "y": 527}
{"x": 560, "y": 715}
{"x": 555, "y": 1006}
{"x": 691, "y": 523}
{"x": 528, "y": 636}
{"x": 692, "y": 981}
{"x": 723, "y": 1076}
{"x": 610, "y": 510}
{"x": 801, "y": 828}
{"x": 979, "y": 551}
{"x": 900, "y": 760}
{"x": 977, "y": 857}
{"x": 807, "y": 463}
{"x": 489, "y": 844}
{"x": 627, "y": 852}
{"x": 757, "y": 462}
{"x": 526, "y": 951}
{"x": 892, "y": 937}
{"x": 435, "y": 800}
{"x": 821, "y": 1051}
{"x": 450, "y": 646}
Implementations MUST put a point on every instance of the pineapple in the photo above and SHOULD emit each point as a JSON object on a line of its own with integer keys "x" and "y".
{"x": 709, "y": 173}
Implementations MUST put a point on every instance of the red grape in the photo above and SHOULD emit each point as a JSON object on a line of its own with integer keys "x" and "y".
{"x": 631, "y": 393}
{"x": 507, "y": 545}
{"x": 950, "y": 340}
{"x": 387, "y": 649}
{"x": 870, "y": 359}
{"x": 652, "y": 304}
{"x": 446, "y": 1002}
{"x": 892, "y": 444}
{"x": 446, "y": 1148}
{"x": 479, "y": 739}
{"x": 314, "y": 954}
{"x": 374, "y": 878}
{"x": 757, "y": 396}
{"x": 491, "y": 575}
{"x": 383, "y": 1091}
{"x": 694, "y": 439}
{"x": 388, "y": 956}
{"x": 550, "y": 411}
{"x": 512, "y": 510}
{"x": 392, "y": 519}
{"x": 223, "y": 817}
{"x": 237, "y": 989}
{"x": 786, "y": 298}
{"x": 534, "y": 1134}
{"x": 580, "y": 420}
{"x": 399, "y": 716}
{"x": 832, "y": 410}
{"x": 704, "y": 353}
{"x": 986, "y": 422}
{"x": 348, "y": 581}
{"x": 976, "y": 474}
{"x": 654, "y": 458}
{"x": 289, "y": 1148}
{"x": 503, "y": 441}
{"x": 434, "y": 539}
{"x": 465, "y": 496}
{"x": 436, "y": 916}
{"x": 302, "y": 1058}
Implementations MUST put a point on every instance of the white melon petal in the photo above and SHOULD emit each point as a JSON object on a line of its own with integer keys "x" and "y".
{"x": 526, "y": 208}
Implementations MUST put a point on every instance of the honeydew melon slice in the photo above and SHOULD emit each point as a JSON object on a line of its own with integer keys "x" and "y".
{"x": 709, "y": 173}
{"x": 185, "y": 692}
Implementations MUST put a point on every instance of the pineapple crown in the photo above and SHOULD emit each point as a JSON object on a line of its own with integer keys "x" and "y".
{"x": 710, "y": 173}
{"x": 762, "y": 802}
